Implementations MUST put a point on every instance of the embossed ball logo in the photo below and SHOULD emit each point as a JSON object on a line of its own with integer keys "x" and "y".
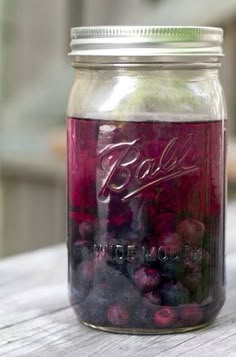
{"x": 137, "y": 172}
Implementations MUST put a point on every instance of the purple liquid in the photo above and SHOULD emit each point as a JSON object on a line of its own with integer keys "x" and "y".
{"x": 146, "y": 222}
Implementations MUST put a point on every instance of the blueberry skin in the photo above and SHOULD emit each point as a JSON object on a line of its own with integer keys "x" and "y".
{"x": 171, "y": 242}
{"x": 118, "y": 314}
{"x": 146, "y": 278}
{"x": 195, "y": 257}
{"x": 164, "y": 317}
{"x": 174, "y": 294}
{"x": 171, "y": 270}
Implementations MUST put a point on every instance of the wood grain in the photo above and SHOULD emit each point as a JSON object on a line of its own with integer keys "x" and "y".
{"x": 36, "y": 320}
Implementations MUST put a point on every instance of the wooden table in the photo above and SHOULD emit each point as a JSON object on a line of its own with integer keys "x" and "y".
{"x": 36, "y": 320}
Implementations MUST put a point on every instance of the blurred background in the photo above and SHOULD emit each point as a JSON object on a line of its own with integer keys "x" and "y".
{"x": 35, "y": 80}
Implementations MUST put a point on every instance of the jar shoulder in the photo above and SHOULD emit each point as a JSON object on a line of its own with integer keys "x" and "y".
{"x": 121, "y": 95}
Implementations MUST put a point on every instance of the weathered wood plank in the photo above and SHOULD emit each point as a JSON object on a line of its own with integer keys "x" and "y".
{"x": 57, "y": 333}
{"x": 32, "y": 284}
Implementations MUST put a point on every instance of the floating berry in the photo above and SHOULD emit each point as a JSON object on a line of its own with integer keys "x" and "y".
{"x": 165, "y": 222}
{"x": 174, "y": 294}
{"x": 164, "y": 317}
{"x": 147, "y": 278}
{"x": 117, "y": 314}
{"x": 172, "y": 243}
{"x": 192, "y": 231}
{"x": 190, "y": 315}
{"x": 152, "y": 297}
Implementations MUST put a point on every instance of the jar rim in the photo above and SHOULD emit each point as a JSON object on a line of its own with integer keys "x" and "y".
{"x": 147, "y": 41}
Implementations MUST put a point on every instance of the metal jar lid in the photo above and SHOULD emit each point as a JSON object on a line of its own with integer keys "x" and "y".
{"x": 147, "y": 41}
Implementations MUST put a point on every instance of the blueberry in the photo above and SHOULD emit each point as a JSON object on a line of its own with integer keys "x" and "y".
{"x": 164, "y": 317}
{"x": 172, "y": 269}
{"x": 190, "y": 315}
{"x": 117, "y": 314}
{"x": 174, "y": 294}
{"x": 147, "y": 278}
{"x": 171, "y": 242}
{"x": 192, "y": 231}
{"x": 195, "y": 257}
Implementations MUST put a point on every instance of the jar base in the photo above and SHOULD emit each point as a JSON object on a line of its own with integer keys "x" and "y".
{"x": 133, "y": 331}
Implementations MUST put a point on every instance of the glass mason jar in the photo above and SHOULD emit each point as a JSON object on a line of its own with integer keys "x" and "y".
{"x": 146, "y": 178}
